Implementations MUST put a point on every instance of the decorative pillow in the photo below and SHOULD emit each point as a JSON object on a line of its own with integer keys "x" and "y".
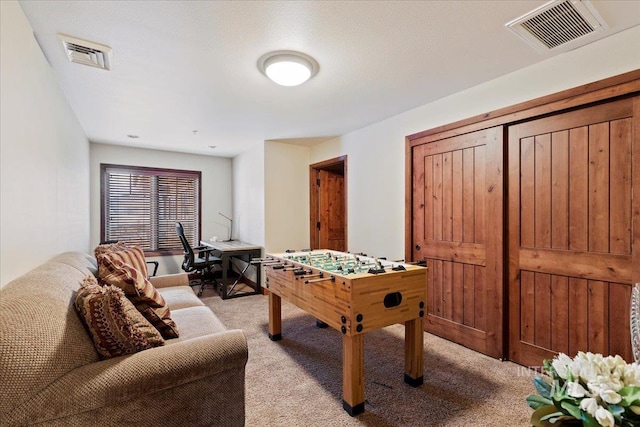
{"x": 129, "y": 254}
{"x": 146, "y": 298}
{"x": 115, "y": 325}
{"x": 104, "y": 248}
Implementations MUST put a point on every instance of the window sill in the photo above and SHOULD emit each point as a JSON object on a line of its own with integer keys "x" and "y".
{"x": 163, "y": 253}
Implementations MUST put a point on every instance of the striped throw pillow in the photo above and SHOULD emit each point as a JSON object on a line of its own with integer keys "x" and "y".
{"x": 146, "y": 298}
{"x": 129, "y": 254}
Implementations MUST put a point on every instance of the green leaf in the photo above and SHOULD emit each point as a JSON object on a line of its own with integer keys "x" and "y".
{"x": 534, "y": 401}
{"x": 589, "y": 421}
{"x": 571, "y": 409}
{"x": 541, "y": 412}
{"x": 630, "y": 396}
{"x": 552, "y": 417}
{"x": 559, "y": 391}
{"x": 550, "y": 370}
{"x": 543, "y": 387}
{"x": 617, "y": 412}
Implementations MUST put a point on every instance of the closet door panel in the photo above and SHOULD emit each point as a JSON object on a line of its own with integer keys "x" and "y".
{"x": 571, "y": 246}
{"x": 458, "y": 228}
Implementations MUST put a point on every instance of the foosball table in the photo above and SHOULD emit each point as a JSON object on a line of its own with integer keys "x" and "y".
{"x": 354, "y": 294}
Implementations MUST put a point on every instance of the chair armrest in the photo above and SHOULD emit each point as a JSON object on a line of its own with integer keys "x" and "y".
{"x": 155, "y": 267}
{"x": 122, "y": 379}
{"x": 169, "y": 280}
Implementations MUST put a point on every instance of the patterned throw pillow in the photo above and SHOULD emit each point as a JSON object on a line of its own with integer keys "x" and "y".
{"x": 129, "y": 254}
{"x": 104, "y": 248}
{"x": 145, "y": 297}
{"x": 115, "y": 325}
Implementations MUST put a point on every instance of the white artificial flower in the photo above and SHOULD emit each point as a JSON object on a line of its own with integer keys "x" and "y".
{"x": 610, "y": 362}
{"x": 606, "y": 382}
{"x": 635, "y": 409}
{"x": 589, "y": 405}
{"x": 588, "y": 373}
{"x": 610, "y": 396}
{"x": 632, "y": 374}
{"x": 561, "y": 364}
{"x": 595, "y": 388}
{"x": 575, "y": 389}
{"x": 596, "y": 358}
{"x": 615, "y": 384}
{"x": 619, "y": 361}
{"x": 619, "y": 371}
{"x": 604, "y": 417}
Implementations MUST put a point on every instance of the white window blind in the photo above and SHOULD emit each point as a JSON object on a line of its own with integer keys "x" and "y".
{"x": 142, "y": 205}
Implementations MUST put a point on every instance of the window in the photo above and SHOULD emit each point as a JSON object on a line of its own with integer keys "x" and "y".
{"x": 142, "y": 205}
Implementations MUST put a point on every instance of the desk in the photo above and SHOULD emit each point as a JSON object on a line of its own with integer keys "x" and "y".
{"x": 240, "y": 250}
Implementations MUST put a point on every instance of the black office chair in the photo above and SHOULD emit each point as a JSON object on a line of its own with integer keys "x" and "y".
{"x": 203, "y": 263}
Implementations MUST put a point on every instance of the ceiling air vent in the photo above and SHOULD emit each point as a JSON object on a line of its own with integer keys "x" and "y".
{"x": 86, "y": 52}
{"x": 559, "y": 25}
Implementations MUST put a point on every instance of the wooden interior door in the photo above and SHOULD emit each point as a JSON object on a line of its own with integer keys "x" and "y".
{"x": 573, "y": 232}
{"x": 328, "y": 204}
{"x": 331, "y": 205}
{"x": 457, "y": 208}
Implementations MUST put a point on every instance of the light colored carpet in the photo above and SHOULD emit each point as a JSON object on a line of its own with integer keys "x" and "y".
{"x": 298, "y": 381}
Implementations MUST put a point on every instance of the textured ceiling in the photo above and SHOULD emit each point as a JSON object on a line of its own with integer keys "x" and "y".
{"x": 180, "y": 66}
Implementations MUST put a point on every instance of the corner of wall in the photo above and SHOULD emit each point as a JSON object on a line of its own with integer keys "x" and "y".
{"x": 49, "y": 205}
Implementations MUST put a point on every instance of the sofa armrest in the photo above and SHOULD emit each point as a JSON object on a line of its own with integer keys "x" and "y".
{"x": 168, "y": 280}
{"x": 121, "y": 379}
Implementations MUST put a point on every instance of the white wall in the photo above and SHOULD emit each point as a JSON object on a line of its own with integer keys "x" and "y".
{"x": 217, "y": 188}
{"x": 44, "y": 156}
{"x": 248, "y": 196}
{"x": 286, "y": 196}
{"x": 271, "y": 196}
{"x": 376, "y": 153}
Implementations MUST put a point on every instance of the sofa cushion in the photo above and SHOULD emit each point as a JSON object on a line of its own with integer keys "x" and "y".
{"x": 178, "y": 297}
{"x": 115, "y": 325}
{"x": 84, "y": 263}
{"x": 129, "y": 254}
{"x": 113, "y": 271}
{"x": 196, "y": 322}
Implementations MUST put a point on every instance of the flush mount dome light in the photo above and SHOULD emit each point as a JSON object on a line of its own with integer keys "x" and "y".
{"x": 288, "y": 68}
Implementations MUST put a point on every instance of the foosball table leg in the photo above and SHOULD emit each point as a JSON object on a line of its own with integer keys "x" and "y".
{"x": 413, "y": 352}
{"x": 275, "y": 317}
{"x": 353, "y": 374}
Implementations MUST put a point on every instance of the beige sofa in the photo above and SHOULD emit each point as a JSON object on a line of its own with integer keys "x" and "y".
{"x": 50, "y": 373}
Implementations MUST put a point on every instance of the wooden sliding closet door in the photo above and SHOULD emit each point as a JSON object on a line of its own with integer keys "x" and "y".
{"x": 458, "y": 229}
{"x": 573, "y": 205}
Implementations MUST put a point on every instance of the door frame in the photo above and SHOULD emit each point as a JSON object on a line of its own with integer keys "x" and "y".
{"x": 314, "y": 217}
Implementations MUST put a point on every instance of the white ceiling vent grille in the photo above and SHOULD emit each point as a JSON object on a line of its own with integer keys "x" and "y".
{"x": 559, "y": 25}
{"x": 86, "y": 52}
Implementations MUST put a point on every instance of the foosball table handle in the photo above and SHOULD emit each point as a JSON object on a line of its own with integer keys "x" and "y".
{"x": 322, "y": 279}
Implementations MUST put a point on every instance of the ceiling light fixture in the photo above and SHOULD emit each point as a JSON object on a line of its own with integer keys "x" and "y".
{"x": 288, "y": 68}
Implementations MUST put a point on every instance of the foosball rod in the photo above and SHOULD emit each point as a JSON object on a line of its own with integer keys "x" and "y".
{"x": 331, "y": 278}
{"x": 265, "y": 259}
{"x": 305, "y": 276}
{"x": 270, "y": 263}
